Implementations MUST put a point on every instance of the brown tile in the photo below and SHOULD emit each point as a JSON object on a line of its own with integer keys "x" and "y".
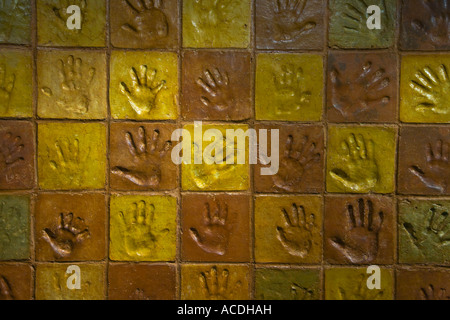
{"x": 17, "y": 152}
{"x": 424, "y": 164}
{"x": 216, "y": 85}
{"x": 216, "y": 228}
{"x": 141, "y": 157}
{"x": 359, "y": 230}
{"x": 425, "y": 25}
{"x": 423, "y": 284}
{"x": 290, "y": 27}
{"x": 70, "y": 227}
{"x": 15, "y": 282}
{"x": 141, "y": 282}
{"x": 144, "y": 24}
{"x": 362, "y": 87}
{"x": 301, "y": 160}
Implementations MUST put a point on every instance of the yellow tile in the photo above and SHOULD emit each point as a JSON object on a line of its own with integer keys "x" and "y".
{"x": 215, "y": 282}
{"x": 289, "y": 87}
{"x": 15, "y": 83}
{"x": 143, "y": 228}
{"x": 71, "y": 156}
{"x": 425, "y": 89}
{"x": 52, "y": 20}
{"x": 52, "y": 282}
{"x": 215, "y": 177}
{"x": 144, "y": 85}
{"x": 288, "y": 229}
{"x": 216, "y": 24}
{"x": 351, "y": 284}
{"x": 361, "y": 159}
{"x": 72, "y": 84}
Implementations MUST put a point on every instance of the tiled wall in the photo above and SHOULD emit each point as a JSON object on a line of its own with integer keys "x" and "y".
{"x": 86, "y": 175}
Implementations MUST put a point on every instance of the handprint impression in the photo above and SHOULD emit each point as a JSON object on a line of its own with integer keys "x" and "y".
{"x": 430, "y": 293}
{"x": 288, "y": 22}
{"x": 437, "y": 174}
{"x": 147, "y": 156}
{"x": 67, "y": 235}
{"x": 212, "y": 13}
{"x": 218, "y": 93}
{"x": 296, "y": 235}
{"x": 75, "y": 84}
{"x": 360, "y": 243}
{"x": 216, "y": 287}
{"x": 360, "y": 170}
{"x": 144, "y": 90}
{"x": 10, "y": 153}
{"x": 213, "y": 236}
{"x": 6, "y": 88}
{"x": 61, "y": 16}
{"x": 5, "y": 289}
{"x": 436, "y": 29}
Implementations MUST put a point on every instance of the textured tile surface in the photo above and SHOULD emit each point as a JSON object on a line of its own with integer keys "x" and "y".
{"x": 15, "y": 22}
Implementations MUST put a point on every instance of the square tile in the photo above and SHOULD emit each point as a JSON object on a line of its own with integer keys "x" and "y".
{"x": 214, "y": 177}
{"x": 52, "y": 281}
{"x": 144, "y": 85}
{"x": 143, "y": 228}
{"x": 288, "y": 229}
{"x": 423, "y": 231}
{"x": 425, "y": 25}
{"x": 71, "y": 156}
{"x": 215, "y": 282}
{"x": 144, "y": 24}
{"x": 140, "y": 157}
{"x": 215, "y": 228}
{"x": 70, "y": 227}
{"x": 360, "y": 230}
{"x": 16, "y": 282}
{"x": 362, "y": 87}
{"x": 17, "y": 153}
{"x": 141, "y": 282}
{"x": 295, "y": 82}
{"x": 295, "y": 25}
{"x": 349, "y": 24}
{"x": 301, "y": 160}
{"x": 425, "y": 88}
{"x": 72, "y": 84}
{"x": 361, "y": 159}
{"x": 351, "y": 284}
{"x": 15, "y": 26}
{"x": 424, "y": 161}
{"x": 217, "y": 24}
{"x": 287, "y": 284}
{"x": 423, "y": 284}
{"x": 14, "y": 227}
{"x": 16, "y": 89}
{"x": 216, "y": 85}
{"x": 53, "y": 21}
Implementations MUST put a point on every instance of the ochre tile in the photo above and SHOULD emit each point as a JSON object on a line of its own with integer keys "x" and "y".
{"x": 288, "y": 229}
{"x": 359, "y": 230}
{"x": 70, "y": 227}
{"x": 351, "y": 284}
{"x": 52, "y": 282}
{"x": 14, "y": 227}
{"x": 15, "y": 83}
{"x": 215, "y": 282}
{"x": 144, "y": 85}
{"x": 216, "y": 24}
{"x": 423, "y": 284}
{"x": 361, "y": 159}
{"x": 71, "y": 156}
{"x": 287, "y": 284}
{"x": 71, "y": 84}
{"x": 295, "y": 82}
{"x": 216, "y": 228}
{"x": 141, "y": 282}
{"x": 140, "y": 157}
{"x": 144, "y": 24}
{"x": 216, "y": 85}
{"x": 17, "y": 153}
{"x": 52, "y": 21}
{"x": 16, "y": 282}
{"x": 15, "y": 17}
{"x": 143, "y": 228}
{"x": 425, "y": 88}
{"x": 423, "y": 231}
